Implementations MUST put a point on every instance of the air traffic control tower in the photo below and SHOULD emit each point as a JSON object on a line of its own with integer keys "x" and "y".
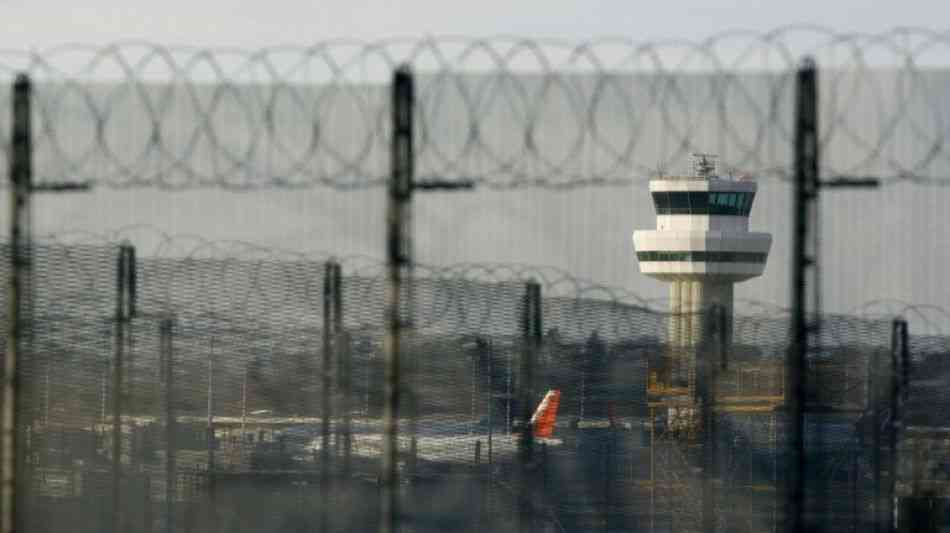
{"x": 701, "y": 245}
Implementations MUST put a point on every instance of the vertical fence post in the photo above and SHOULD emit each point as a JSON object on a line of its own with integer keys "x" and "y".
{"x": 531, "y": 329}
{"x": 915, "y": 465}
{"x": 806, "y": 192}
{"x": 244, "y": 406}
{"x": 487, "y": 485}
{"x": 875, "y": 406}
{"x": 209, "y": 425}
{"x": 346, "y": 386}
{"x": 608, "y": 481}
{"x": 508, "y": 392}
{"x": 341, "y": 352}
{"x": 652, "y": 420}
{"x": 399, "y": 261}
{"x": 854, "y": 490}
{"x": 905, "y": 363}
{"x": 899, "y": 351}
{"x": 166, "y": 332}
{"x": 123, "y": 316}
{"x": 345, "y": 361}
{"x": 326, "y": 409}
{"x": 702, "y": 389}
{"x": 212, "y": 510}
{"x": 715, "y": 337}
{"x": 21, "y": 178}
{"x": 490, "y": 355}
{"x": 473, "y": 392}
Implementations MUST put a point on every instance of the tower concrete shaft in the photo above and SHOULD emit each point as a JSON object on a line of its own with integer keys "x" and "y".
{"x": 689, "y": 299}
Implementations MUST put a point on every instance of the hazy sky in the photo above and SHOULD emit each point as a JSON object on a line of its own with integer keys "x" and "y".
{"x": 39, "y": 23}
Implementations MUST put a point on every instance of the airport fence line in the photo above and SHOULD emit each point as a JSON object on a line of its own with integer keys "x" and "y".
{"x": 175, "y": 248}
{"x": 213, "y": 412}
{"x": 502, "y": 113}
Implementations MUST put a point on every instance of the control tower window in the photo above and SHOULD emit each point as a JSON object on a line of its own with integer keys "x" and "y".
{"x": 745, "y": 204}
{"x": 722, "y": 201}
{"x": 679, "y": 203}
{"x": 702, "y": 203}
{"x": 703, "y": 256}
{"x": 698, "y": 202}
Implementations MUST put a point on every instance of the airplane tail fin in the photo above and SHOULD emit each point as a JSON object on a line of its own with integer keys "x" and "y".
{"x": 544, "y": 417}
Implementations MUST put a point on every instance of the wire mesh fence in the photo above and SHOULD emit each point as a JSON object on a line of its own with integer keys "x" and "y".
{"x": 215, "y": 412}
{"x": 207, "y": 394}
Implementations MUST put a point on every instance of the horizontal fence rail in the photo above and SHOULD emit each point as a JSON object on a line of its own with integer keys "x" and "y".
{"x": 500, "y": 113}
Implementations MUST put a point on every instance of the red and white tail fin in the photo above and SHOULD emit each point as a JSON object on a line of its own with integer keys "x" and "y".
{"x": 544, "y": 417}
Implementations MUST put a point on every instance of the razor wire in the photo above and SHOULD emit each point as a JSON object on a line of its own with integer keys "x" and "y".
{"x": 501, "y": 112}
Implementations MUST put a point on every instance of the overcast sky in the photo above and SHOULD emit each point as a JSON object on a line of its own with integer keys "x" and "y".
{"x": 42, "y": 23}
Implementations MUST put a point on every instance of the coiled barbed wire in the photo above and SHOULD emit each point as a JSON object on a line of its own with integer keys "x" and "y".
{"x": 503, "y": 112}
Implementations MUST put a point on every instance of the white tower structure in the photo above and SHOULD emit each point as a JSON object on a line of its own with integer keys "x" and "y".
{"x": 702, "y": 244}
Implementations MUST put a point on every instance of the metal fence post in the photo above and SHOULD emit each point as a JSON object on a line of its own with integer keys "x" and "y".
{"x": 899, "y": 351}
{"x": 166, "y": 332}
{"x": 490, "y": 353}
{"x": 488, "y": 484}
{"x": 915, "y": 463}
{"x": 715, "y": 336}
{"x": 905, "y": 363}
{"x": 346, "y": 386}
{"x": 212, "y": 516}
{"x": 326, "y": 407}
{"x": 345, "y": 358}
{"x": 21, "y": 178}
{"x": 607, "y": 482}
{"x": 341, "y": 352}
{"x": 531, "y": 329}
{"x": 874, "y": 386}
{"x": 806, "y": 192}
{"x": 123, "y": 315}
{"x": 854, "y": 490}
{"x": 399, "y": 261}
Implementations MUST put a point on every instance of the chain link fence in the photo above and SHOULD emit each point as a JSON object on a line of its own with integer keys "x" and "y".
{"x": 254, "y": 402}
{"x": 206, "y": 393}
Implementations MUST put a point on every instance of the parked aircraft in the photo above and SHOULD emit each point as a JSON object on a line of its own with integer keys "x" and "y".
{"x": 438, "y": 439}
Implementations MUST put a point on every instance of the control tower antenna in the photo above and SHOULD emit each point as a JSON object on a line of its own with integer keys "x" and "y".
{"x": 704, "y": 165}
